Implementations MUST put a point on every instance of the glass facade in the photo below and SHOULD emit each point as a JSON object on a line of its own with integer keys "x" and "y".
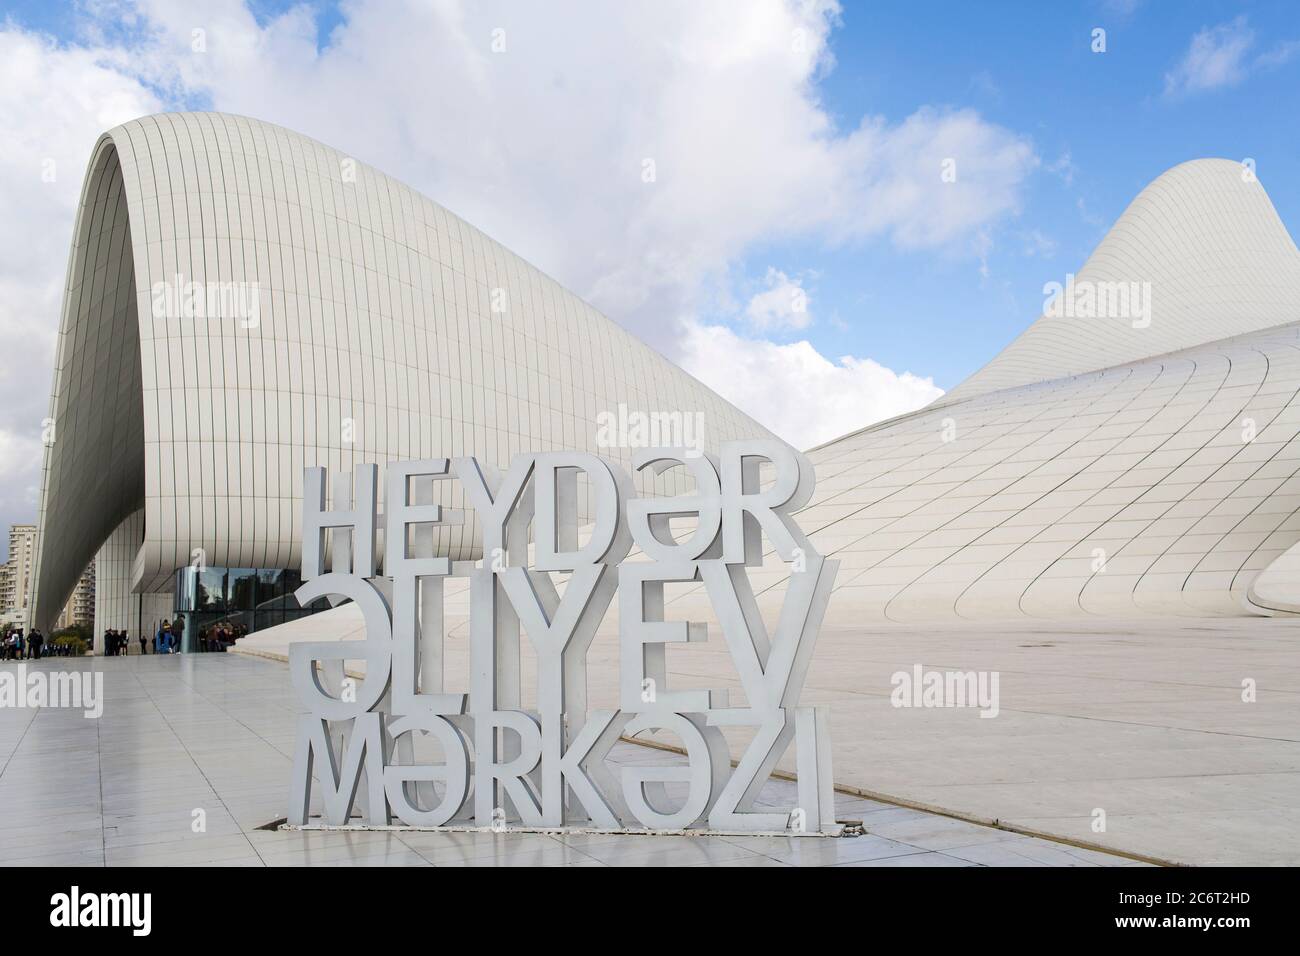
{"x": 246, "y": 599}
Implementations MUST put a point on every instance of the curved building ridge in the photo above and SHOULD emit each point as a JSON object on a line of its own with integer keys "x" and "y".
{"x": 1205, "y": 247}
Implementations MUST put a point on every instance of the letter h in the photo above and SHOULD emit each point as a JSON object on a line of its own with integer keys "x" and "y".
{"x": 352, "y": 543}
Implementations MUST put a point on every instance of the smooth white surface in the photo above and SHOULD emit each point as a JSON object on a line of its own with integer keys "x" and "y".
{"x": 115, "y": 606}
{"x": 1124, "y": 492}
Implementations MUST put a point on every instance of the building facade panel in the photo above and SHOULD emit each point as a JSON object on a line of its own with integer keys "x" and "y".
{"x": 116, "y": 608}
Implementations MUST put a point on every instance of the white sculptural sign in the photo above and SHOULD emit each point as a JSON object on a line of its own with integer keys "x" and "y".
{"x": 502, "y": 765}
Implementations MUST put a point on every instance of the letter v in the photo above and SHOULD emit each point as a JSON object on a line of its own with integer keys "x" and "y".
{"x": 772, "y": 672}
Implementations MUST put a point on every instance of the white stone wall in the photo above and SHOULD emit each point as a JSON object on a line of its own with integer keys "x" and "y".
{"x": 116, "y": 608}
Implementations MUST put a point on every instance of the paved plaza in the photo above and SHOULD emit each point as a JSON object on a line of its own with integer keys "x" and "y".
{"x": 214, "y": 733}
{"x": 1146, "y": 721}
{"x": 1150, "y": 721}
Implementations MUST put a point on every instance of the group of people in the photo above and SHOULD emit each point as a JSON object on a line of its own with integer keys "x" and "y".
{"x": 218, "y": 637}
{"x": 117, "y": 643}
{"x": 167, "y": 640}
{"x": 16, "y": 646}
{"x": 19, "y": 646}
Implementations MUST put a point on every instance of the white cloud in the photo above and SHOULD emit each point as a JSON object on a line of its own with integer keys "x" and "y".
{"x": 797, "y": 392}
{"x": 1064, "y": 167}
{"x": 1222, "y": 56}
{"x": 1038, "y": 244}
{"x": 55, "y": 103}
{"x": 542, "y": 146}
{"x": 1280, "y": 55}
{"x": 1121, "y": 8}
{"x": 782, "y": 305}
{"x": 1217, "y": 57}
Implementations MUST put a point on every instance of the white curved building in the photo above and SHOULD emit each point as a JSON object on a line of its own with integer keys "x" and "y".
{"x": 242, "y": 302}
{"x": 1218, "y": 262}
{"x": 1141, "y": 461}
{"x": 1138, "y": 455}
{"x": 1156, "y": 487}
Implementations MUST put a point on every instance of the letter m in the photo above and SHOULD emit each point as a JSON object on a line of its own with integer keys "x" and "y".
{"x": 362, "y": 744}
{"x": 115, "y": 909}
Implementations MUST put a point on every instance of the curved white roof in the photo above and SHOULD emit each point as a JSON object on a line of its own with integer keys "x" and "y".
{"x": 388, "y": 329}
{"x": 1217, "y": 261}
{"x": 1098, "y": 465}
{"x": 1156, "y": 487}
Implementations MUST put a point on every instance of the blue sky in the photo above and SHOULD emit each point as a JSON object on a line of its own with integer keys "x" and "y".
{"x": 783, "y": 167}
{"x": 1033, "y": 71}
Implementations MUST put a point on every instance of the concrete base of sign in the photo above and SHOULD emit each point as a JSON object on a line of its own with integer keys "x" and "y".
{"x": 838, "y": 830}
